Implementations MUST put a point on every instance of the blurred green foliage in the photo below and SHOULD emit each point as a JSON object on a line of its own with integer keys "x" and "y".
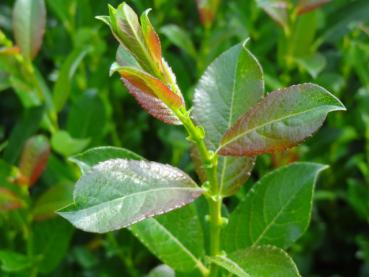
{"x": 65, "y": 94}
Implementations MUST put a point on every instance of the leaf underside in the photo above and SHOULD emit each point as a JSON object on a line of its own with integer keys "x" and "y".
{"x": 117, "y": 193}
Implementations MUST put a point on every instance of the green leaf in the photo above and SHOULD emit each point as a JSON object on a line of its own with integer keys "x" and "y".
{"x": 259, "y": 261}
{"x": 276, "y": 9}
{"x": 279, "y": 121}
{"x": 12, "y": 261}
{"x": 87, "y": 117}
{"x": 51, "y": 242}
{"x": 152, "y": 94}
{"x": 62, "y": 86}
{"x": 64, "y": 144}
{"x": 25, "y": 127}
{"x": 29, "y": 19}
{"x": 176, "y": 238}
{"x": 180, "y": 38}
{"x": 276, "y": 211}
{"x": 229, "y": 87}
{"x": 93, "y": 156}
{"x": 55, "y": 198}
{"x": 117, "y": 193}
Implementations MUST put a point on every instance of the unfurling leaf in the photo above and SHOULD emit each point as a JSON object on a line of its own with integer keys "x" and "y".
{"x": 34, "y": 158}
{"x": 229, "y": 87}
{"x": 259, "y": 261}
{"x": 154, "y": 96}
{"x": 276, "y": 211}
{"x": 117, "y": 193}
{"x": 145, "y": 73}
{"x": 152, "y": 40}
{"x": 279, "y": 121}
{"x": 29, "y": 19}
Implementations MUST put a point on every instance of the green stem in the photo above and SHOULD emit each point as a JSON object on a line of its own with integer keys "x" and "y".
{"x": 213, "y": 194}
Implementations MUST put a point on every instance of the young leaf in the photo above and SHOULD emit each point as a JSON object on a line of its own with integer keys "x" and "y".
{"x": 151, "y": 39}
{"x": 93, "y": 156}
{"x": 259, "y": 261}
{"x": 34, "y": 158}
{"x": 276, "y": 211}
{"x": 125, "y": 58}
{"x": 230, "y": 86}
{"x": 279, "y": 121}
{"x": 276, "y": 9}
{"x": 176, "y": 238}
{"x": 29, "y": 19}
{"x": 152, "y": 94}
{"x": 8, "y": 199}
{"x": 117, "y": 193}
{"x": 126, "y": 28}
{"x": 207, "y": 11}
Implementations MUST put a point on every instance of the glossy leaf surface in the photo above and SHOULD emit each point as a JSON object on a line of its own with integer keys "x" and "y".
{"x": 277, "y": 209}
{"x": 230, "y": 86}
{"x": 117, "y": 193}
{"x": 279, "y": 121}
{"x": 29, "y": 19}
{"x": 259, "y": 261}
{"x": 93, "y": 156}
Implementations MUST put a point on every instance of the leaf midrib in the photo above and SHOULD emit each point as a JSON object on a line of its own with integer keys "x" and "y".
{"x": 135, "y": 194}
{"x": 242, "y": 134}
{"x": 274, "y": 219}
{"x": 198, "y": 263}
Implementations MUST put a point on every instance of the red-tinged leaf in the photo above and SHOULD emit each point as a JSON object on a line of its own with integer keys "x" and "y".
{"x": 276, "y": 9}
{"x": 29, "y": 20}
{"x": 279, "y": 121}
{"x": 152, "y": 94}
{"x": 305, "y": 6}
{"x": 151, "y": 39}
{"x": 9, "y": 200}
{"x": 34, "y": 158}
{"x": 207, "y": 10}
